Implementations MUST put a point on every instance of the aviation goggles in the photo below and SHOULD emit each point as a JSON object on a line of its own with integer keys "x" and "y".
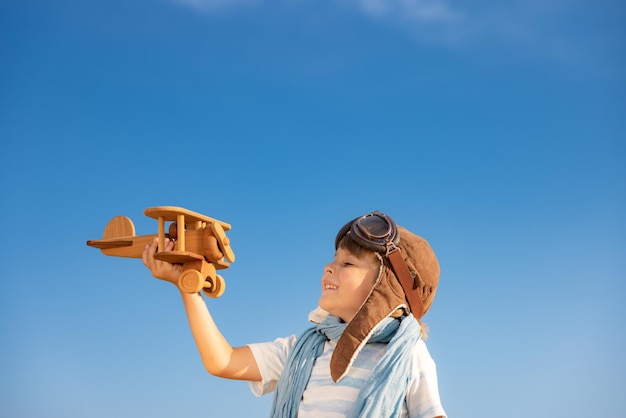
{"x": 378, "y": 232}
{"x": 374, "y": 231}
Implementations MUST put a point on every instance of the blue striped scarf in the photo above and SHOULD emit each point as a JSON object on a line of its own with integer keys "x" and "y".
{"x": 382, "y": 394}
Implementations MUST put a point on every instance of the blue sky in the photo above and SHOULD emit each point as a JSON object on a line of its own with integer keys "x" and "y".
{"x": 493, "y": 129}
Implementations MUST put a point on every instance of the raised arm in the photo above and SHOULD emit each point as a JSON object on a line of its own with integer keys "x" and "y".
{"x": 218, "y": 356}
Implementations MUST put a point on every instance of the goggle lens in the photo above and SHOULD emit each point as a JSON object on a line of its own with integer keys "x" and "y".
{"x": 374, "y": 226}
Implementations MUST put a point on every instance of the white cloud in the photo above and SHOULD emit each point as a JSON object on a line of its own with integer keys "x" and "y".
{"x": 534, "y": 29}
{"x": 212, "y": 5}
{"x": 410, "y": 10}
{"x": 415, "y": 10}
{"x": 431, "y": 21}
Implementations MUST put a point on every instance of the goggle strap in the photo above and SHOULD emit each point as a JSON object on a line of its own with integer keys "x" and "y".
{"x": 408, "y": 283}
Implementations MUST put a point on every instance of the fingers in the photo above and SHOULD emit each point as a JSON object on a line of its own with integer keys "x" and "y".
{"x": 160, "y": 269}
{"x": 147, "y": 256}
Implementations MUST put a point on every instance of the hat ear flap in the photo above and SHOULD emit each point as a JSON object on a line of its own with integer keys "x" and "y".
{"x": 386, "y": 297}
{"x": 422, "y": 262}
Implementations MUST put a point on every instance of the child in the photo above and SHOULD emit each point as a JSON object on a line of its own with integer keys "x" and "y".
{"x": 366, "y": 355}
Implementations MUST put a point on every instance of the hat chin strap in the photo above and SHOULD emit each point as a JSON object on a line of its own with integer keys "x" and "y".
{"x": 407, "y": 281}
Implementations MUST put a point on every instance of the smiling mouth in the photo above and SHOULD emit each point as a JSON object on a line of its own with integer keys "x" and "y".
{"x": 330, "y": 287}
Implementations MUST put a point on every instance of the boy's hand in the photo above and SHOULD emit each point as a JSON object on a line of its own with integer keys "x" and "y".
{"x": 161, "y": 269}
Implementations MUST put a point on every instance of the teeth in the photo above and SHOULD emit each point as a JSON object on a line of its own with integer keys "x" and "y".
{"x": 330, "y": 286}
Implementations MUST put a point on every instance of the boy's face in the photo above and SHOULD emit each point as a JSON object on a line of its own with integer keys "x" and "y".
{"x": 346, "y": 283}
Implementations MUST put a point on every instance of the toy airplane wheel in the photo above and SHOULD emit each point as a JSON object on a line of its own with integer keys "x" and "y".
{"x": 190, "y": 281}
{"x": 216, "y": 288}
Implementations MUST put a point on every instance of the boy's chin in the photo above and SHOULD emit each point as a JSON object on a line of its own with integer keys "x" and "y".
{"x": 322, "y": 305}
{"x": 325, "y": 302}
{"x": 325, "y": 306}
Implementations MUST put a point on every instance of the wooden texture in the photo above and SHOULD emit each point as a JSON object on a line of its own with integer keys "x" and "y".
{"x": 201, "y": 246}
{"x": 120, "y": 226}
{"x": 170, "y": 213}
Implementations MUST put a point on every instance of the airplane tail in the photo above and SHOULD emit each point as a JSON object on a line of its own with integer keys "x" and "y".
{"x": 119, "y": 239}
{"x": 119, "y": 226}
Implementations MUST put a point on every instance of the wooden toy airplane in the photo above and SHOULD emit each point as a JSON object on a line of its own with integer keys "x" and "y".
{"x": 201, "y": 246}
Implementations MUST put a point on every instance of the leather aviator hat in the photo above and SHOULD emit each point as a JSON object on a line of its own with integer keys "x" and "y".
{"x": 406, "y": 283}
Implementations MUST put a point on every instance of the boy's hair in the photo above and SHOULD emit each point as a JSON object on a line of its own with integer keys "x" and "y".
{"x": 347, "y": 243}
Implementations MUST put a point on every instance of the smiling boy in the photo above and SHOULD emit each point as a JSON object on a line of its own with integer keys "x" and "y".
{"x": 366, "y": 355}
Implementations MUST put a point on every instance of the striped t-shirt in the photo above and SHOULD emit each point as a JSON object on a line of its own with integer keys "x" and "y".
{"x": 325, "y": 398}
